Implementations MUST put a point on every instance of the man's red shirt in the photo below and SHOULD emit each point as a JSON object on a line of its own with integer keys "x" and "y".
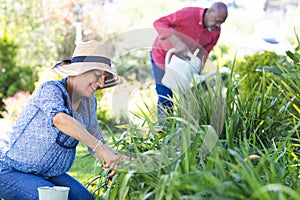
{"x": 187, "y": 24}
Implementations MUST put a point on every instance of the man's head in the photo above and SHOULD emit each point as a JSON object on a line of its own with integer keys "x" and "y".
{"x": 215, "y": 16}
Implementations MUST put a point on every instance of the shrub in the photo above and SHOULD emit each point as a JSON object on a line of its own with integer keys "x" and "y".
{"x": 247, "y": 69}
{"x": 258, "y": 159}
{"x": 12, "y": 76}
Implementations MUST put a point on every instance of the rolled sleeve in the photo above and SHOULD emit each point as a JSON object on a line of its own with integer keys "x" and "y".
{"x": 52, "y": 100}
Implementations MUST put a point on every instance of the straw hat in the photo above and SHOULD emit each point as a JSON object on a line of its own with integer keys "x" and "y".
{"x": 88, "y": 56}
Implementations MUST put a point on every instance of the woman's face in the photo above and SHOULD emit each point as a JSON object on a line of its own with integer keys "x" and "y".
{"x": 87, "y": 83}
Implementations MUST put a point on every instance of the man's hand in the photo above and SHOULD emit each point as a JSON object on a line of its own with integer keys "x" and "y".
{"x": 180, "y": 47}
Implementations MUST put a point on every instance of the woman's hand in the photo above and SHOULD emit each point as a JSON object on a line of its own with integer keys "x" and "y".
{"x": 122, "y": 158}
{"x": 109, "y": 157}
{"x": 106, "y": 155}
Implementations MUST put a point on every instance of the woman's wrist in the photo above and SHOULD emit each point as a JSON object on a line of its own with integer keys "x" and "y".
{"x": 99, "y": 143}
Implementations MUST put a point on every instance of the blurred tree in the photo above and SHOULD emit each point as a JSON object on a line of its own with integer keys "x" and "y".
{"x": 45, "y": 29}
{"x": 23, "y": 21}
{"x": 12, "y": 77}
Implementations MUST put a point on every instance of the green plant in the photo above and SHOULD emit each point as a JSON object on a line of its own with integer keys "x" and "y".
{"x": 285, "y": 77}
{"x": 246, "y": 69}
{"x": 12, "y": 77}
{"x": 257, "y": 159}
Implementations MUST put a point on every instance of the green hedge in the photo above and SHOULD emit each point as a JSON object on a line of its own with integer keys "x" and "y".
{"x": 13, "y": 77}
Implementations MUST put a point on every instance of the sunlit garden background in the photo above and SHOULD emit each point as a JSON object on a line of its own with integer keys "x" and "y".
{"x": 235, "y": 138}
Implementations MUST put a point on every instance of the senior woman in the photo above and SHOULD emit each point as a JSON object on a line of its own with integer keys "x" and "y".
{"x": 41, "y": 147}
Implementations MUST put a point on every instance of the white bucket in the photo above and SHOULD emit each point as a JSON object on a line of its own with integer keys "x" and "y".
{"x": 53, "y": 193}
{"x": 180, "y": 72}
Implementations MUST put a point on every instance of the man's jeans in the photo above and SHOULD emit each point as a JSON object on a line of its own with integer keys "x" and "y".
{"x": 164, "y": 93}
{"x": 21, "y": 186}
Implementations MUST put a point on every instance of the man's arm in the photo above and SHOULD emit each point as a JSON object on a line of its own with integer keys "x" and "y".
{"x": 179, "y": 45}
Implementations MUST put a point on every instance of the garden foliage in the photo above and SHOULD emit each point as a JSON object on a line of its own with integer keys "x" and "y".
{"x": 258, "y": 158}
{"x": 13, "y": 77}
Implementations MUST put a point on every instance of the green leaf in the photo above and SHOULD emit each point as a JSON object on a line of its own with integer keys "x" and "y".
{"x": 274, "y": 69}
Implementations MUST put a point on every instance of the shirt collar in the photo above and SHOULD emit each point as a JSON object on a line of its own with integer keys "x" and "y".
{"x": 201, "y": 17}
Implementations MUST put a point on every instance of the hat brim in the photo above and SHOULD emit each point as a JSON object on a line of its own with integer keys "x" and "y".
{"x": 75, "y": 69}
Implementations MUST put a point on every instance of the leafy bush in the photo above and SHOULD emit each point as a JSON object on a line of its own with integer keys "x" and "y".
{"x": 13, "y": 77}
{"x": 285, "y": 76}
{"x": 258, "y": 158}
{"x": 246, "y": 69}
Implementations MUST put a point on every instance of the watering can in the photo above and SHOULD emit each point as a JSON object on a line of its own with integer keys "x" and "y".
{"x": 179, "y": 72}
{"x": 182, "y": 73}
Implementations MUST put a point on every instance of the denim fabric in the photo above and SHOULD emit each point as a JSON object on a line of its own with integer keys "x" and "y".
{"x": 22, "y": 186}
{"x": 163, "y": 92}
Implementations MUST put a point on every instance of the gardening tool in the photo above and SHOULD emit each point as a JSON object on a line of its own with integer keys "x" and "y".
{"x": 179, "y": 71}
{"x": 182, "y": 73}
